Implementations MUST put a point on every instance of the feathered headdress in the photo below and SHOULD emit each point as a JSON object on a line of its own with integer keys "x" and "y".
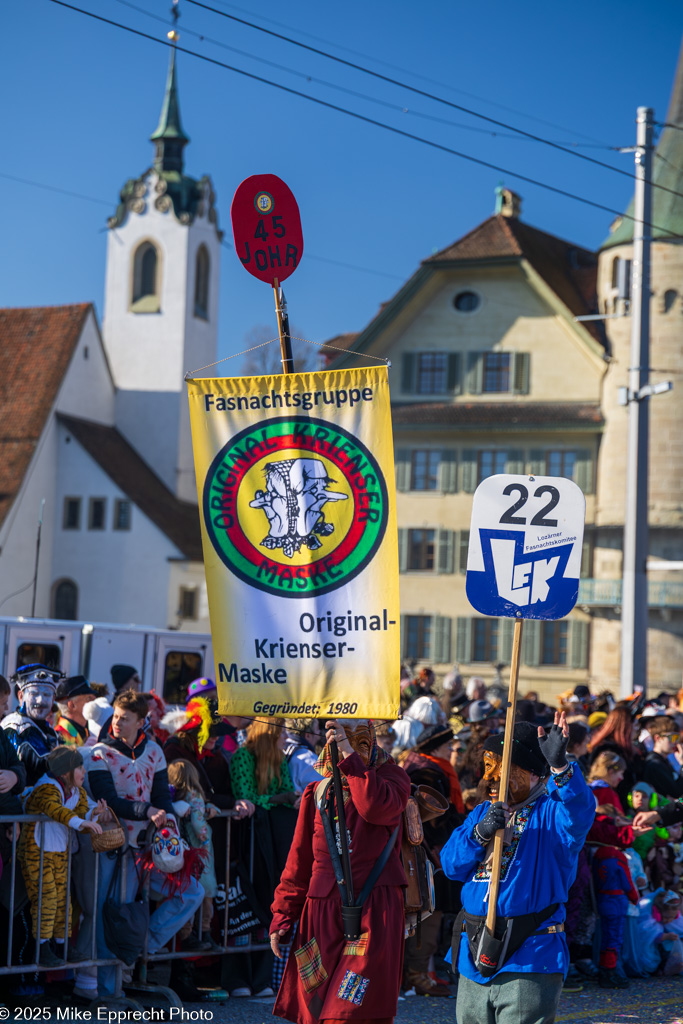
{"x": 196, "y": 715}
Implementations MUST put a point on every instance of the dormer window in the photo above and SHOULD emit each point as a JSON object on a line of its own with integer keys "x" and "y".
{"x": 146, "y": 279}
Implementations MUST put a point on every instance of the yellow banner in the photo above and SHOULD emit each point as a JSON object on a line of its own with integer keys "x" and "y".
{"x": 295, "y": 478}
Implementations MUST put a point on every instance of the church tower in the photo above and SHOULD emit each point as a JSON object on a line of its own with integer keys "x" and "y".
{"x": 161, "y": 299}
{"x": 665, "y": 508}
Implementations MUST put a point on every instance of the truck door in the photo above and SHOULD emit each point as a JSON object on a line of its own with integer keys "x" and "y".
{"x": 179, "y": 661}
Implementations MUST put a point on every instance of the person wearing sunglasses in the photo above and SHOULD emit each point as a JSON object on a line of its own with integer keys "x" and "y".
{"x": 658, "y": 770}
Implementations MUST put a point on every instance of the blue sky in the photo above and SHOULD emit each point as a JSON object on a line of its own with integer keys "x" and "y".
{"x": 82, "y": 98}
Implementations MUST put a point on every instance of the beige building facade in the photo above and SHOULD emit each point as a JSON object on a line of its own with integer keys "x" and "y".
{"x": 492, "y": 372}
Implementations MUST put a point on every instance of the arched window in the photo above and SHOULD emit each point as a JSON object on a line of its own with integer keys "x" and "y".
{"x": 615, "y": 271}
{"x": 146, "y": 279}
{"x": 65, "y": 600}
{"x": 670, "y": 296}
{"x": 201, "y": 283}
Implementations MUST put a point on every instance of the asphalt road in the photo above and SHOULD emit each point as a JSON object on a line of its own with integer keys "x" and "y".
{"x": 647, "y": 1001}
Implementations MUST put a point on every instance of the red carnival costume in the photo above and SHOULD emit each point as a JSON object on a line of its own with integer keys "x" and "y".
{"x": 326, "y": 978}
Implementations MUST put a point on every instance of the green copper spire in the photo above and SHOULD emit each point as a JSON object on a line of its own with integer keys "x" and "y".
{"x": 169, "y": 138}
{"x": 667, "y": 209}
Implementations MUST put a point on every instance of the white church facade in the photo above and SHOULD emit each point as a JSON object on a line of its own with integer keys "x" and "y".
{"x": 98, "y": 440}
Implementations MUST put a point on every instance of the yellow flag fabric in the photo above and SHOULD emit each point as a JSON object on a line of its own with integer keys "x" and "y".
{"x": 295, "y": 478}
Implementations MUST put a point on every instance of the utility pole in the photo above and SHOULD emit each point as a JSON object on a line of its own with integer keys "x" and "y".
{"x": 634, "y": 586}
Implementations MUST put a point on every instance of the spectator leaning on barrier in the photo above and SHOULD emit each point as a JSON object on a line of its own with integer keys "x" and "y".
{"x": 71, "y": 696}
{"x": 28, "y": 728}
{"x": 128, "y": 771}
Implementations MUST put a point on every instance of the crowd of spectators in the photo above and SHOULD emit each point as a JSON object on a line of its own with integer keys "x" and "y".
{"x": 93, "y": 757}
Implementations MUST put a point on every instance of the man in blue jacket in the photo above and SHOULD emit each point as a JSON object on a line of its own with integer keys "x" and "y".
{"x": 547, "y": 817}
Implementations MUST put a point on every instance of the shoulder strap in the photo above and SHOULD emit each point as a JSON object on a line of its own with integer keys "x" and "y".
{"x": 320, "y": 800}
{"x": 377, "y": 869}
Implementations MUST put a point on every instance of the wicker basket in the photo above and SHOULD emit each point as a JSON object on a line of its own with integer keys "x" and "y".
{"x": 112, "y": 837}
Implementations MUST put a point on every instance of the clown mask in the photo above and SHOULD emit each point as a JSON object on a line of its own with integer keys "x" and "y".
{"x": 360, "y": 735}
{"x": 521, "y": 781}
{"x": 37, "y": 699}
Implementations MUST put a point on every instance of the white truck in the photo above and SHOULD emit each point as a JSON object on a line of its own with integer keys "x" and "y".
{"x": 167, "y": 660}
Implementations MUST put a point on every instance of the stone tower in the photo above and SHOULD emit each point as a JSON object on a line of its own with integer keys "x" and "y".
{"x": 665, "y": 498}
{"x": 161, "y": 299}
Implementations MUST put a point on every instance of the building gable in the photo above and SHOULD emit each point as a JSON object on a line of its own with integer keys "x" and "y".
{"x": 36, "y": 346}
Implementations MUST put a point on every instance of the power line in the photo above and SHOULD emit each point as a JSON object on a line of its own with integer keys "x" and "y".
{"x": 593, "y": 143}
{"x": 55, "y": 188}
{"x": 330, "y": 85}
{"x": 362, "y": 117}
{"x": 428, "y": 95}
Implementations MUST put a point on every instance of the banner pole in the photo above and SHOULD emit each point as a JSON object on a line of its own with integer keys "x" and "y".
{"x": 494, "y": 883}
{"x": 288, "y": 367}
{"x": 283, "y": 329}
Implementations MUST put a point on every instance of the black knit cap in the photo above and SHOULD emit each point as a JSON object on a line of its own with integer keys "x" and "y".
{"x": 526, "y": 750}
{"x": 433, "y": 737}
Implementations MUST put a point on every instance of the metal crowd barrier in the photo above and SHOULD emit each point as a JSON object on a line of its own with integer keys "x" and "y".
{"x": 32, "y": 967}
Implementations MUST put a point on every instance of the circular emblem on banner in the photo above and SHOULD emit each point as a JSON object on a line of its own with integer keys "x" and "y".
{"x": 295, "y": 506}
{"x": 264, "y": 202}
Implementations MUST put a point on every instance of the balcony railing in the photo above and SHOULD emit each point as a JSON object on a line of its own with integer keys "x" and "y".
{"x": 608, "y": 593}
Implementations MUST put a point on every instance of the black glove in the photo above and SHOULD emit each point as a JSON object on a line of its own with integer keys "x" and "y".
{"x": 554, "y": 747}
{"x": 492, "y": 822}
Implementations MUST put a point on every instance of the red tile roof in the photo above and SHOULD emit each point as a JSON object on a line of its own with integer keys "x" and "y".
{"x": 514, "y": 415}
{"x": 568, "y": 269}
{"x": 178, "y": 520}
{"x": 36, "y": 345}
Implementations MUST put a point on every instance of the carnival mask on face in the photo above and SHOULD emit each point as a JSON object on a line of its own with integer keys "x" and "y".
{"x": 360, "y": 736}
{"x": 520, "y": 784}
{"x": 37, "y": 699}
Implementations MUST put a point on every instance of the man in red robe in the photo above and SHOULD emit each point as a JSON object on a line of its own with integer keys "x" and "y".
{"x": 328, "y": 979}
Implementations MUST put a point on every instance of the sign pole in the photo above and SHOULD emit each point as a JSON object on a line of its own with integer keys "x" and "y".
{"x": 288, "y": 367}
{"x": 283, "y": 329}
{"x": 494, "y": 884}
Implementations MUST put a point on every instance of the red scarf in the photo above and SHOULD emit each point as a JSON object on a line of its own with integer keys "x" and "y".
{"x": 453, "y": 781}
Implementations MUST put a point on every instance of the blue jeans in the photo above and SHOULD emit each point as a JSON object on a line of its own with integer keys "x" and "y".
{"x": 167, "y": 919}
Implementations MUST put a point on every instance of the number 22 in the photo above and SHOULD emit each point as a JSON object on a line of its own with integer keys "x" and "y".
{"x": 538, "y": 520}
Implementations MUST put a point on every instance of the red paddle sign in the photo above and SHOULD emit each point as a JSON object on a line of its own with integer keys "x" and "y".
{"x": 266, "y": 226}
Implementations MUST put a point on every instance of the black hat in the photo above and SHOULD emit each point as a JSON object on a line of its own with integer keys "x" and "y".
{"x": 122, "y": 674}
{"x": 526, "y": 750}
{"x": 582, "y": 692}
{"x": 74, "y": 686}
{"x": 460, "y": 701}
{"x": 432, "y": 737}
{"x": 220, "y": 728}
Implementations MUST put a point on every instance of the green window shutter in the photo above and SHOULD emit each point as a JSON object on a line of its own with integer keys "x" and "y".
{"x": 408, "y": 373}
{"x": 454, "y": 373}
{"x": 449, "y": 471}
{"x": 463, "y": 548}
{"x": 587, "y": 558}
{"x": 446, "y": 551}
{"x": 442, "y": 640}
{"x": 402, "y": 461}
{"x": 402, "y": 550}
{"x": 475, "y": 373}
{"x": 514, "y": 462}
{"x": 506, "y": 628}
{"x": 537, "y": 462}
{"x": 463, "y": 642}
{"x": 402, "y": 635}
{"x": 468, "y": 471}
{"x": 520, "y": 373}
{"x": 584, "y": 471}
{"x": 579, "y": 643}
{"x": 532, "y": 643}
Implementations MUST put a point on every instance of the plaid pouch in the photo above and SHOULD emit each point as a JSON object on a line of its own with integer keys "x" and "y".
{"x": 310, "y": 965}
{"x": 357, "y": 947}
{"x": 353, "y": 988}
